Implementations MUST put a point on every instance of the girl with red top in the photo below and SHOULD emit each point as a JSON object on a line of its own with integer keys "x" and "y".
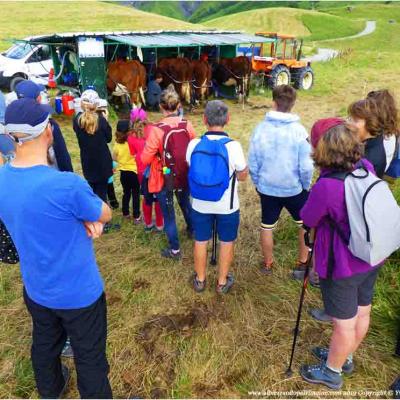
{"x": 136, "y": 141}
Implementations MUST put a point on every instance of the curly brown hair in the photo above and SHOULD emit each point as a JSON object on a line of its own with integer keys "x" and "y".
{"x": 137, "y": 128}
{"x": 338, "y": 149}
{"x": 367, "y": 110}
{"x": 388, "y": 114}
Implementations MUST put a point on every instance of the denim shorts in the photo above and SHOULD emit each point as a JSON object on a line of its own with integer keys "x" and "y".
{"x": 227, "y": 226}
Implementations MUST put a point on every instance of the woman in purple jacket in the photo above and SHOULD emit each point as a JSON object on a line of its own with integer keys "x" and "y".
{"x": 347, "y": 283}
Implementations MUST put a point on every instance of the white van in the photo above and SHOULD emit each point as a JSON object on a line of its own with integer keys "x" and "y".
{"x": 25, "y": 61}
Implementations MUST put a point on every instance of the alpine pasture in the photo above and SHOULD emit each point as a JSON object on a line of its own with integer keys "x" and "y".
{"x": 166, "y": 341}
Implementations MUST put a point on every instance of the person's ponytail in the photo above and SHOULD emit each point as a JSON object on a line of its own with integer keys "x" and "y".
{"x": 89, "y": 119}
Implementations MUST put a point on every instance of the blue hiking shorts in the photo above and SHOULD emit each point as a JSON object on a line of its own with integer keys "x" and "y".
{"x": 227, "y": 226}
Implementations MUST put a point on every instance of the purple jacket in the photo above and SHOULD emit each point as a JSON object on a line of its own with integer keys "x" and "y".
{"x": 327, "y": 199}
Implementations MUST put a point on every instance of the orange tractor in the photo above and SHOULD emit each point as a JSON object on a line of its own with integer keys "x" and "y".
{"x": 279, "y": 62}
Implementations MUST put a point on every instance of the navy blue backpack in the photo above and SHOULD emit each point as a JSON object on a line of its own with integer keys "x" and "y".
{"x": 209, "y": 169}
{"x": 394, "y": 168}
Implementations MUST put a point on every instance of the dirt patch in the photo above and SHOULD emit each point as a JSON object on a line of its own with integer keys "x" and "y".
{"x": 164, "y": 355}
{"x": 197, "y": 316}
{"x": 113, "y": 298}
{"x": 140, "y": 284}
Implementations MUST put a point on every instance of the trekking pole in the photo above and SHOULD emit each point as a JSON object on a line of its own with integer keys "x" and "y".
{"x": 213, "y": 260}
{"x": 310, "y": 246}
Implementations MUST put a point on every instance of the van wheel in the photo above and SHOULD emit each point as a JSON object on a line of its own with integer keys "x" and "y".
{"x": 304, "y": 79}
{"x": 14, "y": 82}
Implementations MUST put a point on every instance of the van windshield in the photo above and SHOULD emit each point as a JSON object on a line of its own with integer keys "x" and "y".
{"x": 18, "y": 51}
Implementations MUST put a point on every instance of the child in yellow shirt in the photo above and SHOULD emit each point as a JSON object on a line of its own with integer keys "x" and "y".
{"x": 128, "y": 172}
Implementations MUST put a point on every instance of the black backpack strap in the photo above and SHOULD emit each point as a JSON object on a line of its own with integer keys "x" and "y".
{"x": 233, "y": 177}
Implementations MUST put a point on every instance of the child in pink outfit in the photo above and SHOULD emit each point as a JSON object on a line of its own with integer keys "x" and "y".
{"x": 136, "y": 141}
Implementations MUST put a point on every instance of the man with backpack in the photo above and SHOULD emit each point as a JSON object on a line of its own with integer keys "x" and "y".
{"x": 216, "y": 162}
{"x": 165, "y": 149}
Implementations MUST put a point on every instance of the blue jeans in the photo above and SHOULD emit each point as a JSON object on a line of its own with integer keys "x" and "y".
{"x": 166, "y": 200}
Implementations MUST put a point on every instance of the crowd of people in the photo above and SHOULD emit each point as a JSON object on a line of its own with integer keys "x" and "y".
{"x": 63, "y": 289}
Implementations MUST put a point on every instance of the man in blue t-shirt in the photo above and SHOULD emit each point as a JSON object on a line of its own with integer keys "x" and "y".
{"x": 52, "y": 218}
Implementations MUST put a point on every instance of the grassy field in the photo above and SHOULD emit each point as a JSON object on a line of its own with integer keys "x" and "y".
{"x": 166, "y": 341}
{"x": 302, "y": 23}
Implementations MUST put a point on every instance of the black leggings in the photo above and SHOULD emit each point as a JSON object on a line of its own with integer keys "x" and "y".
{"x": 131, "y": 188}
{"x": 100, "y": 188}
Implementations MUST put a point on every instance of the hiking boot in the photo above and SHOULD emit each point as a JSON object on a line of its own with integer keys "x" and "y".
{"x": 109, "y": 226}
{"x": 320, "y": 373}
{"x": 224, "y": 289}
{"x": 67, "y": 350}
{"x": 159, "y": 229}
{"x": 66, "y": 375}
{"x": 148, "y": 229}
{"x": 169, "y": 253}
{"x": 395, "y": 387}
{"x": 298, "y": 275}
{"x": 322, "y": 354}
{"x": 137, "y": 221}
{"x": 198, "y": 286}
{"x": 320, "y": 315}
{"x": 266, "y": 269}
{"x": 299, "y": 270}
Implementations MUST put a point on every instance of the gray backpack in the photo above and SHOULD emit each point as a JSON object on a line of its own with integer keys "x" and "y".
{"x": 374, "y": 216}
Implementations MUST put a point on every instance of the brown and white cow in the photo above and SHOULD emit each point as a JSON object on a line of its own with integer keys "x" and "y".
{"x": 202, "y": 74}
{"x": 234, "y": 71}
{"x": 179, "y": 72}
{"x": 128, "y": 77}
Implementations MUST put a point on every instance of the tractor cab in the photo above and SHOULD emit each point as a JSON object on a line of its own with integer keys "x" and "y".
{"x": 280, "y": 61}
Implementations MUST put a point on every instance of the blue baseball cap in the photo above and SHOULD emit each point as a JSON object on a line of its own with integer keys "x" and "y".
{"x": 28, "y": 89}
{"x": 27, "y": 116}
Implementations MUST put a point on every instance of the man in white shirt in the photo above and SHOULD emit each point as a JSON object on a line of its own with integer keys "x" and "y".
{"x": 225, "y": 210}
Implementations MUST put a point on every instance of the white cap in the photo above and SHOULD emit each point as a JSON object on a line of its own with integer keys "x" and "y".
{"x": 90, "y": 96}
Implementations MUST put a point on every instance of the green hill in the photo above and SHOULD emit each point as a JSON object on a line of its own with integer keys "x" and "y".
{"x": 50, "y": 17}
{"x": 313, "y": 25}
{"x": 201, "y": 11}
{"x": 170, "y": 9}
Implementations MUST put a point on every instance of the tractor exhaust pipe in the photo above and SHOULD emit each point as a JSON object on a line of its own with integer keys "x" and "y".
{"x": 300, "y": 50}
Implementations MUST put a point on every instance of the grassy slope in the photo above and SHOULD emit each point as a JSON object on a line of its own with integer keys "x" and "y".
{"x": 242, "y": 341}
{"x": 52, "y": 17}
{"x": 211, "y": 10}
{"x": 311, "y": 24}
{"x": 166, "y": 8}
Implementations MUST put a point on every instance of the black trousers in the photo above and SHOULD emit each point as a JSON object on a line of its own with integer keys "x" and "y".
{"x": 131, "y": 188}
{"x": 100, "y": 188}
{"x": 87, "y": 329}
{"x": 112, "y": 198}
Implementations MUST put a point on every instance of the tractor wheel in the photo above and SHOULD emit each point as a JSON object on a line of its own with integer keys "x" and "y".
{"x": 280, "y": 75}
{"x": 304, "y": 78}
